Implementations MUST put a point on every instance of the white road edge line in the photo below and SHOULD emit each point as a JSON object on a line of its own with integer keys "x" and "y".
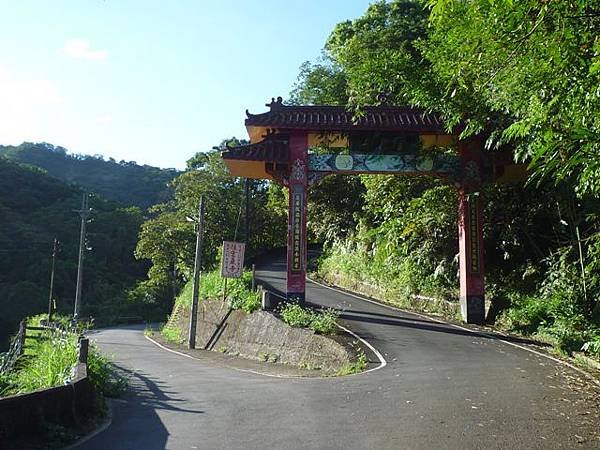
{"x": 226, "y": 367}
{"x": 255, "y": 372}
{"x": 382, "y": 361}
{"x": 492, "y": 336}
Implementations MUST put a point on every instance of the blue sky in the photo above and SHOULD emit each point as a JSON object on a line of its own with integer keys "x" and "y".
{"x": 151, "y": 81}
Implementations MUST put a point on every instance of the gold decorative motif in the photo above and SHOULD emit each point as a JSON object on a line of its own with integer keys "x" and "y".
{"x": 298, "y": 172}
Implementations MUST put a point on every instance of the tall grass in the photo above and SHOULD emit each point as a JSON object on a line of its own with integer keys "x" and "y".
{"x": 49, "y": 361}
{"x": 212, "y": 285}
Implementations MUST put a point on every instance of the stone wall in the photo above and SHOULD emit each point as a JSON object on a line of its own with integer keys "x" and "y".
{"x": 263, "y": 336}
{"x": 26, "y": 414}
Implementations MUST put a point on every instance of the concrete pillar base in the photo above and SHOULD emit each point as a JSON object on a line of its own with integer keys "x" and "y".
{"x": 472, "y": 308}
{"x": 296, "y": 297}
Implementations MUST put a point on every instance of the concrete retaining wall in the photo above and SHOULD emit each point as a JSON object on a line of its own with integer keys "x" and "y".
{"x": 24, "y": 414}
{"x": 263, "y": 336}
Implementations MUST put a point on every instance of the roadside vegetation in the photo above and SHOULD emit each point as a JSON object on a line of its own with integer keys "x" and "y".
{"x": 212, "y": 285}
{"x": 322, "y": 322}
{"x": 49, "y": 359}
{"x": 354, "y": 367}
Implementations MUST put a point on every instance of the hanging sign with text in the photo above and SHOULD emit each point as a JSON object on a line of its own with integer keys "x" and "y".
{"x": 233, "y": 259}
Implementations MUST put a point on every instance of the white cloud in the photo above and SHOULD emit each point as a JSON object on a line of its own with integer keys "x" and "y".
{"x": 81, "y": 49}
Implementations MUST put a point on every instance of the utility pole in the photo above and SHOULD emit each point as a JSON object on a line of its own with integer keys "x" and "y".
{"x": 84, "y": 213}
{"x": 50, "y": 305}
{"x": 197, "y": 263}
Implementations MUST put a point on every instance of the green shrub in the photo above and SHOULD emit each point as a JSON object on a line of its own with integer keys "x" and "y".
{"x": 295, "y": 315}
{"x": 172, "y": 334}
{"x": 556, "y": 318}
{"x": 592, "y": 346}
{"x": 324, "y": 322}
{"x": 354, "y": 367}
{"x": 6, "y": 383}
{"x": 103, "y": 375}
{"x": 50, "y": 359}
{"x": 49, "y": 363}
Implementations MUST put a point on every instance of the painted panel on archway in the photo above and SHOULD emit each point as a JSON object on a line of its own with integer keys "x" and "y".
{"x": 297, "y": 206}
{"x": 361, "y": 163}
{"x": 474, "y": 239}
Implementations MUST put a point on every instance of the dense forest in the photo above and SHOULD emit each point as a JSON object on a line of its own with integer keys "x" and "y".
{"x": 36, "y": 208}
{"x": 124, "y": 181}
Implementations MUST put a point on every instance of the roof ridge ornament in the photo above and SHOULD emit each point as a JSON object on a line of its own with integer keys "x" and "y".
{"x": 275, "y": 104}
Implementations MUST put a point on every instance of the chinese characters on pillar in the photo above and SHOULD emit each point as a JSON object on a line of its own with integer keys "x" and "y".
{"x": 232, "y": 263}
{"x": 473, "y": 238}
{"x": 297, "y": 206}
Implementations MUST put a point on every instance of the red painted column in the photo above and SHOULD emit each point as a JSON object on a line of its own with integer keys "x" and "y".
{"x": 297, "y": 237}
{"x": 470, "y": 235}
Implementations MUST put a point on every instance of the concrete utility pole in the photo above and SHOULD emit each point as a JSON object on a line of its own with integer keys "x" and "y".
{"x": 50, "y": 305}
{"x": 84, "y": 213}
{"x": 197, "y": 262}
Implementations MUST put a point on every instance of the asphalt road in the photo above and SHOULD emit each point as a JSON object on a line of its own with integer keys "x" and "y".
{"x": 442, "y": 388}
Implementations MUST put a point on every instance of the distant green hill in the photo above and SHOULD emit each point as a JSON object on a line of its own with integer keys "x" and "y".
{"x": 35, "y": 208}
{"x": 125, "y": 182}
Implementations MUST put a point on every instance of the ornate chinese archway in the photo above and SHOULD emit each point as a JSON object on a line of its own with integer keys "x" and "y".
{"x": 286, "y": 145}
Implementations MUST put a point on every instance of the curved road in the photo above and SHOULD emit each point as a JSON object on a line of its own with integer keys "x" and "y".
{"x": 443, "y": 388}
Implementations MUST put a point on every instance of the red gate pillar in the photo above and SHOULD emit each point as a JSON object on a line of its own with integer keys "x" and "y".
{"x": 470, "y": 237}
{"x": 297, "y": 241}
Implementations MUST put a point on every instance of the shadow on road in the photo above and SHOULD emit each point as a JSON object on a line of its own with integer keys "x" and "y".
{"x": 402, "y": 321}
{"x": 363, "y": 316}
{"x": 137, "y": 424}
{"x": 153, "y": 394}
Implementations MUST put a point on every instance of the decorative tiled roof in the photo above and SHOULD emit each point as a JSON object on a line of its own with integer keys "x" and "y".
{"x": 271, "y": 149}
{"x": 338, "y": 118}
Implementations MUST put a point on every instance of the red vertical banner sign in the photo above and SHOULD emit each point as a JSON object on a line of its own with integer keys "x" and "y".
{"x": 470, "y": 235}
{"x": 297, "y": 241}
